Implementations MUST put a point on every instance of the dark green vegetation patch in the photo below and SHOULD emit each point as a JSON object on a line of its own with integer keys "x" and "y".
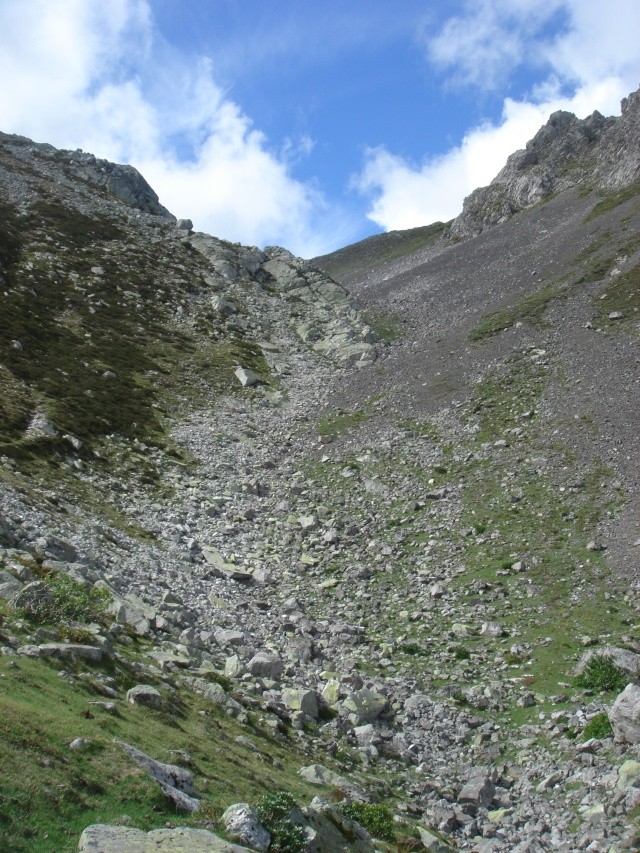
{"x": 90, "y": 339}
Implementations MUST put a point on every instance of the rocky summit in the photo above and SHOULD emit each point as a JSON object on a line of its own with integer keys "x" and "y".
{"x": 329, "y": 555}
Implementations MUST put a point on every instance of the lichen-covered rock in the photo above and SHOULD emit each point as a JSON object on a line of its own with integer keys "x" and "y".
{"x": 299, "y": 699}
{"x": 625, "y": 715}
{"x": 364, "y": 706}
{"x": 101, "y": 838}
{"x": 241, "y": 821}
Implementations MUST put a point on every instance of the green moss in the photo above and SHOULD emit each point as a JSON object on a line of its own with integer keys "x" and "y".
{"x": 341, "y": 422}
{"x": 528, "y": 310}
{"x": 386, "y": 326}
{"x": 622, "y": 295}
{"x": 613, "y": 200}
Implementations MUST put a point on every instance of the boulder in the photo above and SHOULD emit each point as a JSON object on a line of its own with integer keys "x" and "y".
{"x": 247, "y": 378}
{"x": 364, "y": 706}
{"x": 100, "y": 838}
{"x": 328, "y": 829}
{"x": 144, "y": 694}
{"x": 318, "y": 774}
{"x": 176, "y": 782}
{"x": 300, "y": 699}
{"x": 266, "y": 665}
{"x": 34, "y": 598}
{"x": 478, "y": 792}
{"x": 432, "y": 842}
{"x": 628, "y": 775}
{"x": 625, "y": 715}
{"x": 241, "y": 821}
{"x": 72, "y": 650}
{"x": 10, "y": 586}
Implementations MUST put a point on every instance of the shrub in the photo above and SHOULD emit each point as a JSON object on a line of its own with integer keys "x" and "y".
{"x": 273, "y": 810}
{"x": 68, "y": 599}
{"x": 460, "y": 653}
{"x": 598, "y": 727}
{"x": 601, "y": 673}
{"x": 376, "y": 819}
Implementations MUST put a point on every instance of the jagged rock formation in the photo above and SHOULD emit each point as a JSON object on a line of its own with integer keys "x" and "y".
{"x": 122, "y": 181}
{"x": 565, "y": 152}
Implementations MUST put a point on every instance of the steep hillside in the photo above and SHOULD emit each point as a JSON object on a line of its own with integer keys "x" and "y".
{"x": 254, "y": 525}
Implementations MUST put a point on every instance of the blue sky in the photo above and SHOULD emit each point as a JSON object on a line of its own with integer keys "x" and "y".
{"x": 310, "y": 124}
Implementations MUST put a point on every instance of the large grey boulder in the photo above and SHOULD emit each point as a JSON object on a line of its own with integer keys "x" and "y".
{"x": 318, "y": 774}
{"x": 328, "y": 829}
{"x": 364, "y": 706}
{"x": 7, "y": 538}
{"x": 101, "y": 838}
{"x": 176, "y": 782}
{"x": 144, "y": 694}
{"x": 93, "y": 654}
{"x": 266, "y": 665}
{"x": 222, "y": 569}
{"x": 624, "y": 716}
{"x": 34, "y": 598}
{"x": 241, "y": 821}
{"x": 301, "y": 699}
{"x": 10, "y": 586}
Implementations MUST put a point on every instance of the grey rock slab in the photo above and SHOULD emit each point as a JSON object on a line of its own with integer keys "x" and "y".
{"x": 229, "y": 637}
{"x": 300, "y": 699}
{"x": 432, "y": 842}
{"x": 318, "y": 774}
{"x": 364, "y": 705}
{"x": 266, "y": 665}
{"x": 241, "y": 821}
{"x": 329, "y": 830}
{"x": 247, "y": 378}
{"x": 33, "y": 598}
{"x": 479, "y": 791}
{"x": 628, "y": 775}
{"x": 176, "y": 782}
{"x": 93, "y": 654}
{"x": 221, "y": 568}
{"x": 144, "y": 694}
{"x": 9, "y": 586}
{"x": 101, "y": 838}
{"x": 625, "y": 715}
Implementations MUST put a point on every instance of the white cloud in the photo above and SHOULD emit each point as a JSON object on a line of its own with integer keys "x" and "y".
{"x": 481, "y": 46}
{"x": 97, "y": 76}
{"x": 593, "y": 56}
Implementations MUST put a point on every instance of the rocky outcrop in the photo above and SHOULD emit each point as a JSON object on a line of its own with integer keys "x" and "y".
{"x": 122, "y": 181}
{"x": 564, "y": 152}
{"x": 323, "y": 314}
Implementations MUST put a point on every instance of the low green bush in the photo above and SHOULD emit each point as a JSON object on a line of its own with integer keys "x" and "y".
{"x": 601, "y": 673}
{"x": 273, "y": 811}
{"x": 376, "y": 819}
{"x": 598, "y": 727}
{"x": 69, "y": 600}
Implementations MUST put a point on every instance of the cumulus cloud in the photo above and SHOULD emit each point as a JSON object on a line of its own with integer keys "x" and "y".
{"x": 586, "y": 61}
{"x": 97, "y": 76}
